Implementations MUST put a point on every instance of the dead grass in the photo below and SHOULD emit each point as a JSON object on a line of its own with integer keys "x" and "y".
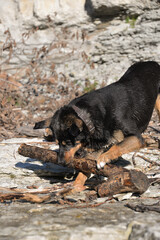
{"x": 31, "y": 89}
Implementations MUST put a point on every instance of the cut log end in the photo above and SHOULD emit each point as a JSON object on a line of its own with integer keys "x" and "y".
{"x": 140, "y": 181}
{"x": 131, "y": 181}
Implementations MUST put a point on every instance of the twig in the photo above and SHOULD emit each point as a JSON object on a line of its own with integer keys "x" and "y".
{"x": 93, "y": 205}
{"x": 30, "y": 195}
{"x": 32, "y": 191}
{"x": 133, "y": 159}
{"x": 154, "y": 180}
{"x": 23, "y": 196}
{"x": 148, "y": 160}
{"x": 143, "y": 208}
{"x": 155, "y": 129}
{"x": 39, "y": 143}
{"x": 9, "y": 82}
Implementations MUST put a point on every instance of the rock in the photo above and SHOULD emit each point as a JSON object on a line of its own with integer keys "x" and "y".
{"x": 95, "y": 52}
{"x": 60, "y": 11}
{"x": 140, "y": 231}
{"x": 20, "y": 15}
{"x": 49, "y": 221}
{"x": 102, "y": 8}
{"x": 16, "y": 170}
{"x": 79, "y": 219}
{"x": 152, "y": 192}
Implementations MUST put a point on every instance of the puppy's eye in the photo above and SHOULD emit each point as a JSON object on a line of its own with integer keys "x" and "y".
{"x": 63, "y": 143}
{"x": 74, "y": 130}
{"x": 68, "y": 142}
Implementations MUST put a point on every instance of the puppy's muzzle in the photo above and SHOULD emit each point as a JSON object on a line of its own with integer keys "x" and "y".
{"x": 64, "y": 157}
{"x": 61, "y": 159}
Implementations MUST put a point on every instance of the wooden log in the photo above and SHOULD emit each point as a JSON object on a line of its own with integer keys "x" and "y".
{"x": 84, "y": 165}
{"x": 131, "y": 181}
{"x": 119, "y": 179}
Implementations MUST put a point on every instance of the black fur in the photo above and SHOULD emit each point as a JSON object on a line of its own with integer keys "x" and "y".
{"x": 126, "y": 105}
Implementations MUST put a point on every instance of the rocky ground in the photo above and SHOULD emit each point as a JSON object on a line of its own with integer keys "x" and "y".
{"x": 108, "y": 221}
{"x": 79, "y": 216}
{"x": 47, "y": 58}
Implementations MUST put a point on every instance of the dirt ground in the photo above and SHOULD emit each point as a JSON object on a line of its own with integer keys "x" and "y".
{"x": 25, "y": 104}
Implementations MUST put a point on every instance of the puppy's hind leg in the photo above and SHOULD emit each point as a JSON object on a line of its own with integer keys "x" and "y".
{"x": 157, "y": 106}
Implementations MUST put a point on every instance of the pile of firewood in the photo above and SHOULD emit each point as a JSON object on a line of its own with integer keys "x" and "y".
{"x": 119, "y": 179}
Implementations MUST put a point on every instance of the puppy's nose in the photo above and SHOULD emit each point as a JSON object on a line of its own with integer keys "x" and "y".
{"x": 61, "y": 159}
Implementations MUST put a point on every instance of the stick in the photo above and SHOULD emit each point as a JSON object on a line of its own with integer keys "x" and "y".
{"x": 29, "y": 131}
{"x": 144, "y": 208}
{"x": 86, "y": 166}
{"x": 119, "y": 178}
{"x": 148, "y": 160}
{"x": 23, "y": 196}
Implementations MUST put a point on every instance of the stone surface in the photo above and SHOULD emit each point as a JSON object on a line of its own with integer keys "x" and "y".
{"x": 47, "y": 222}
{"x": 102, "y": 8}
{"x": 88, "y": 51}
{"x": 14, "y": 168}
{"x": 20, "y": 15}
{"x": 111, "y": 220}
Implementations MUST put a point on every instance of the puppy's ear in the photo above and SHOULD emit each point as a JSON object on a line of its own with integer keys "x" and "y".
{"x": 76, "y": 127}
{"x": 79, "y": 124}
{"x": 43, "y": 124}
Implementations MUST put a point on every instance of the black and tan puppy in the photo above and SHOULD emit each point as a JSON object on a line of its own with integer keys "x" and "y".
{"x": 92, "y": 119}
{"x": 124, "y": 107}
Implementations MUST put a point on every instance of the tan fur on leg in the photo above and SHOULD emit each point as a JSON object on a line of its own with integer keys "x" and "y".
{"x": 128, "y": 145}
{"x": 157, "y": 106}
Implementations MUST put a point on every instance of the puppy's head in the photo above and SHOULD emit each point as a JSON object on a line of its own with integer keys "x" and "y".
{"x": 68, "y": 130}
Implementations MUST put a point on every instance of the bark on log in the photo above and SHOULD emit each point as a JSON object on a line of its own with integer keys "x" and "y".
{"x": 132, "y": 181}
{"x": 84, "y": 165}
{"x": 119, "y": 179}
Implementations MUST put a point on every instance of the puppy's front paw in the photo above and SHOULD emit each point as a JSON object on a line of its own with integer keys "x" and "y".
{"x": 100, "y": 165}
{"x": 102, "y": 160}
